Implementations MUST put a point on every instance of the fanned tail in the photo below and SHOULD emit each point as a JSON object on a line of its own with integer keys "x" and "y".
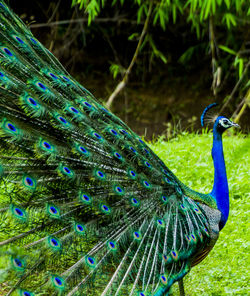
{"x": 86, "y": 207}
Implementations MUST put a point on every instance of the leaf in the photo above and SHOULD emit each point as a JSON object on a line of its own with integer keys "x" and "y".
{"x": 139, "y": 14}
{"x": 174, "y": 13}
{"x": 227, "y": 3}
{"x": 228, "y": 50}
{"x": 208, "y": 8}
{"x": 240, "y": 62}
{"x": 115, "y": 69}
{"x": 133, "y": 36}
{"x": 229, "y": 19}
{"x": 187, "y": 55}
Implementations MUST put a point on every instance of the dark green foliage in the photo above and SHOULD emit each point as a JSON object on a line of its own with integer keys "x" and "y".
{"x": 220, "y": 28}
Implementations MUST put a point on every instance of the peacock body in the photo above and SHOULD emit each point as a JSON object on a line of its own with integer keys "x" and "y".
{"x": 86, "y": 207}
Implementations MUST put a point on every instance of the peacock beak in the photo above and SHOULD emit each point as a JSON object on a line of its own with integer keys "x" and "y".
{"x": 235, "y": 125}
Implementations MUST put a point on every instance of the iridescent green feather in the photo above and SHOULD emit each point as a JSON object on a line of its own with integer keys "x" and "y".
{"x": 91, "y": 209}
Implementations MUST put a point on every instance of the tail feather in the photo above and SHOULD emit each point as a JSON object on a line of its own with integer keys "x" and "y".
{"x": 87, "y": 208}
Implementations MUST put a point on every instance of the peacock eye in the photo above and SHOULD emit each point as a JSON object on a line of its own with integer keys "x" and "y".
{"x": 225, "y": 123}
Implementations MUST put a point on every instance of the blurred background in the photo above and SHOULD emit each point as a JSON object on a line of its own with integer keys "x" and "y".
{"x": 174, "y": 57}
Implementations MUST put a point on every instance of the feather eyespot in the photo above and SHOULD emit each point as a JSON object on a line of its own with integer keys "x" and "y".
{"x": 174, "y": 255}
{"x": 65, "y": 78}
{"x": 206, "y": 231}
{"x": 11, "y": 127}
{"x": 79, "y": 228}
{"x": 164, "y": 199}
{"x": 132, "y": 149}
{"x": 122, "y": 131}
{"x": 74, "y": 110}
{"x": 32, "y": 101}
{"x": 193, "y": 237}
{"x": 100, "y": 175}
{"x": 179, "y": 190}
{"x": 18, "y": 213}
{"x": 29, "y": 183}
{"x": 132, "y": 174}
{"x": 58, "y": 282}
{"x": 112, "y": 245}
{"x": 105, "y": 110}
{"x": 119, "y": 190}
{"x": 87, "y": 104}
{"x": 19, "y": 40}
{"x": 33, "y": 40}
{"x": 167, "y": 259}
{"x": 160, "y": 223}
{"x": 105, "y": 209}
{"x": 54, "y": 243}
{"x": 197, "y": 210}
{"x": 83, "y": 150}
{"x": 66, "y": 170}
{"x": 53, "y": 76}
{"x": 25, "y": 293}
{"x": 134, "y": 202}
{"x": 63, "y": 120}
{"x": 90, "y": 261}
{"x": 200, "y": 235}
{"x": 146, "y": 184}
{"x": 137, "y": 235}
{"x": 86, "y": 199}
{"x": 117, "y": 155}
{"x": 164, "y": 279}
{"x": 53, "y": 211}
{"x": 97, "y": 136}
{"x": 7, "y": 51}
{"x": 42, "y": 86}
{"x": 113, "y": 132}
{"x": 18, "y": 263}
{"x": 167, "y": 180}
{"x": 46, "y": 145}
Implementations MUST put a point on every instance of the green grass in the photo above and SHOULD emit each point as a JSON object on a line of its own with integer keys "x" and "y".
{"x": 226, "y": 269}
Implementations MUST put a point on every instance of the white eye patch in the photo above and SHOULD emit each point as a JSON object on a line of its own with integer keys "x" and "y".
{"x": 225, "y": 123}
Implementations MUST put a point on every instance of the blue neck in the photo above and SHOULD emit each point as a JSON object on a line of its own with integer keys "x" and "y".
{"x": 220, "y": 189}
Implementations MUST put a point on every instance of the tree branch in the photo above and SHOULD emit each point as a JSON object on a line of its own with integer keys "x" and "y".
{"x": 235, "y": 88}
{"x": 124, "y": 81}
{"x": 118, "y": 19}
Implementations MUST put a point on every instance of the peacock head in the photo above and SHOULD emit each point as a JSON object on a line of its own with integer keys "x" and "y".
{"x": 220, "y": 123}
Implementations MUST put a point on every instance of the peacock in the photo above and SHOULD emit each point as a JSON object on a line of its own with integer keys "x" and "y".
{"x": 86, "y": 207}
